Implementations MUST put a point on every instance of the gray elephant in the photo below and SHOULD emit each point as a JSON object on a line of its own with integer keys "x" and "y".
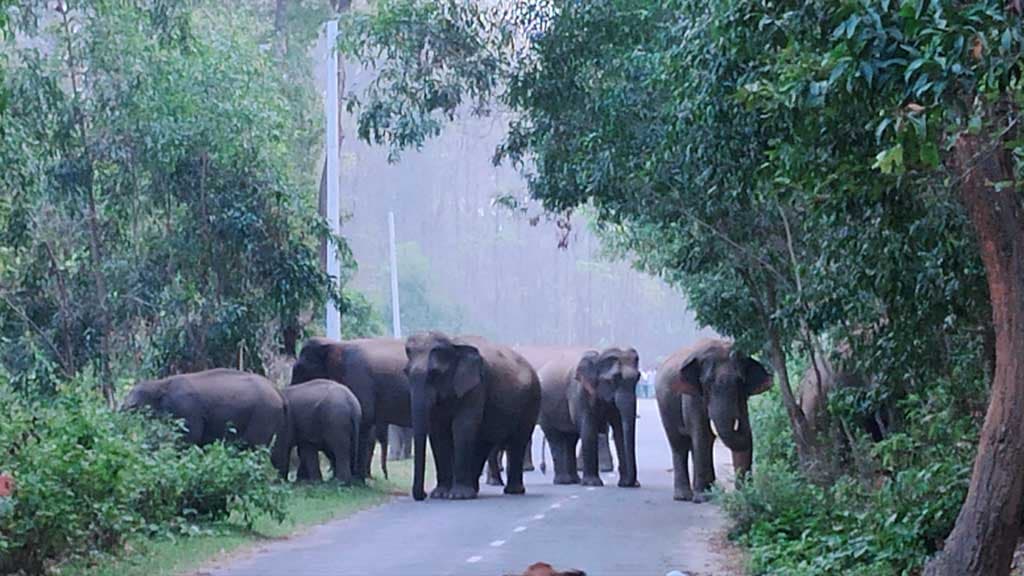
{"x": 820, "y": 380}
{"x": 702, "y": 393}
{"x": 471, "y": 396}
{"x": 324, "y": 417}
{"x": 221, "y": 404}
{"x": 374, "y": 370}
{"x": 584, "y": 391}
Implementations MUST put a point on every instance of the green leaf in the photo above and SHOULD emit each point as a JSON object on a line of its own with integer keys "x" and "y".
{"x": 890, "y": 161}
{"x": 930, "y": 154}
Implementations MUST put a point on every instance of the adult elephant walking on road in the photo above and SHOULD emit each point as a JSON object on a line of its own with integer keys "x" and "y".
{"x": 702, "y": 392}
{"x": 583, "y": 392}
{"x": 470, "y": 396}
{"x": 374, "y": 370}
{"x": 221, "y": 404}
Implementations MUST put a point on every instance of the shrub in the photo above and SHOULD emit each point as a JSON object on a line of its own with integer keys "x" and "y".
{"x": 88, "y": 478}
{"x": 886, "y": 523}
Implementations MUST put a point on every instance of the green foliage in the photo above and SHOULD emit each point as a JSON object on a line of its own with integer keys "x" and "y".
{"x": 403, "y": 110}
{"x": 88, "y": 478}
{"x": 362, "y": 319}
{"x": 423, "y": 306}
{"x": 158, "y": 205}
{"x": 888, "y": 523}
{"x": 790, "y": 167}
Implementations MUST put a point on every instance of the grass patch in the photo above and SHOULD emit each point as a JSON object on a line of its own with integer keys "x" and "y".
{"x": 305, "y": 506}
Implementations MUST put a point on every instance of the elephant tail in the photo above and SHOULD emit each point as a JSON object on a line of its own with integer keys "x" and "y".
{"x": 543, "y": 455}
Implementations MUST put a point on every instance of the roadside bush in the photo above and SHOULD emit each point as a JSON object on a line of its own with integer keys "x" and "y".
{"x": 886, "y": 523}
{"x": 88, "y": 478}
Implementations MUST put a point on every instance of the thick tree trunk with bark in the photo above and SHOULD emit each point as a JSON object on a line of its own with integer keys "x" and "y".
{"x": 985, "y": 535}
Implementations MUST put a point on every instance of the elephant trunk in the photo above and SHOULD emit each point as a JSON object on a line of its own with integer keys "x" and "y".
{"x": 626, "y": 404}
{"x": 420, "y": 420}
{"x": 281, "y": 452}
{"x": 732, "y": 429}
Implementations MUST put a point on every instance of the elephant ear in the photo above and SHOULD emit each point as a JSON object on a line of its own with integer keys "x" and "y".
{"x": 689, "y": 378}
{"x": 469, "y": 372}
{"x": 586, "y": 373}
{"x": 758, "y": 378}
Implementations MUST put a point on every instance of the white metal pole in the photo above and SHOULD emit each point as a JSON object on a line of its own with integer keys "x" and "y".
{"x": 396, "y": 313}
{"x": 331, "y": 146}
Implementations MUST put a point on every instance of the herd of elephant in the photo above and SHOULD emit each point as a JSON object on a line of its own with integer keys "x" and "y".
{"x": 472, "y": 398}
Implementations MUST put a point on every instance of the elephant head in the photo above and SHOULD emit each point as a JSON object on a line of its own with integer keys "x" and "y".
{"x": 146, "y": 395}
{"x": 609, "y": 378}
{"x": 725, "y": 379}
{"x": 441, "y": 370}
{"x": 315, "y": 360}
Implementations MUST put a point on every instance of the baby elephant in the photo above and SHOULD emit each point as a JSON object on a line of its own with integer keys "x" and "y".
{"x": 325, "y": 417}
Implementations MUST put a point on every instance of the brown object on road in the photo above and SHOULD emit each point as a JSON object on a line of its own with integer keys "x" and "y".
{"x": 545, "y": 569}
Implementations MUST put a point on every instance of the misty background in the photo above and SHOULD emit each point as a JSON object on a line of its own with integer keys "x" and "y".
{"x": 470, "y": 265}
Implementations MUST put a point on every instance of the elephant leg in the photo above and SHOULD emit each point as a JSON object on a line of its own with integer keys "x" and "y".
{"x": 620, "y": 444}
{"x": 703, "y": 463}
{"x": 340, "y": 450}
{"x": 494, "y": 468}
{"x": 481, "y": 457}
{"x": 194, "y": 430}
{"x": 572, "y": 466}
{"x": 515, "y": 454}
{"x": 528, "y": 457}
{"x": 366, "y": 440}
{"x": 604, "y": 453}
{"x": 705, "y": 476}
{"x": 309, "y": 463}
{"x": 681, "y": 446}
{"x": 465, "y": 430}
{"x": 441, "y": 446}
{"x": 559, "y": 458}
{"x": 591, "y": 474}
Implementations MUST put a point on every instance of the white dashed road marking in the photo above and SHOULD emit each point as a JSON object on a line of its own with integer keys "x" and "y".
{"x": 591, "y": 488}
{"x": 538, "y": 517}
{"x": 474, "y": 559}
{"x": 555, "y": 505}
{"x": 520, "y": 529}
{"x": 574, "y": 496}
{"x": 497, "y": 543}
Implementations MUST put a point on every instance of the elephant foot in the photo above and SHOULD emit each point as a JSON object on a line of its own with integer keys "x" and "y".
{"x": 519, "y": 489}
{"x": 683, "y": 495}
{"x": 495, "y": 482}
{"x": 701, "y": 496}
{"x": 460, "y": 492}
{"x": 592, "y": 481}
{"x": 624, "y": 483}
{"x": 441, "y": 492}
{"x": 566, "y": 479}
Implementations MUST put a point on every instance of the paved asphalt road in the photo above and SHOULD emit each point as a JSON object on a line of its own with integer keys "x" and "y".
{"x": 604, "y": 531}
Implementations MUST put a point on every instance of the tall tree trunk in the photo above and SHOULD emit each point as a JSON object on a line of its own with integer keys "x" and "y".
{"x": 802, "y": 432}
{"x": 985, "y": 535}
{"x": 96, "y": 251}
{"x": 280, "y": 28}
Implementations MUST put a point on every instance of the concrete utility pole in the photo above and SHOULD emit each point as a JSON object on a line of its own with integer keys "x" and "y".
{"x": 333, "y": 202}
{"x": 396, "y": 313}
